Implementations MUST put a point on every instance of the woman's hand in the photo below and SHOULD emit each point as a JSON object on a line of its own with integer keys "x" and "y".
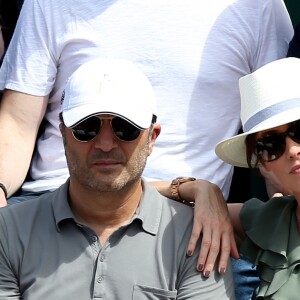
{"x": 211, "y": 222}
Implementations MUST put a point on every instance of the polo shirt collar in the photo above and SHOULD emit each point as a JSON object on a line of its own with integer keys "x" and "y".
{"x": 60, "y": 205}
{"x": 149, "y": 210}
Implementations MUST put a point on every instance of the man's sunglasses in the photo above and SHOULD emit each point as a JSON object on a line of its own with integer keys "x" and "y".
{"x": 271, "y": 146}
{"x": 88, "y": 129}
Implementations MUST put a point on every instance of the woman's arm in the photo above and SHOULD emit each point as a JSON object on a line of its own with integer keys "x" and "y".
{"x": 234, "y": 212}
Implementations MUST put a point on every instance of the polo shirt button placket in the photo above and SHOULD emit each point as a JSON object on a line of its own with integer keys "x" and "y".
{"x": 100, "y": 279}
{"x": 102, "y": 258}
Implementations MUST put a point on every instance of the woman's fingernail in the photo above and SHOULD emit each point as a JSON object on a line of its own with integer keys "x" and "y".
{"x": 223, "y": 269}
{"x": 207, "y": 273}
{"x": 190, "y": 253}
{"x": 200, "y": 267}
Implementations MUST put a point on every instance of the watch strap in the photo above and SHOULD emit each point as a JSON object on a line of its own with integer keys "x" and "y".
{"x": 174, "y": 189}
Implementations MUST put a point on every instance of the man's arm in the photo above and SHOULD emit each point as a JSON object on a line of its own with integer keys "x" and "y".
{"x": 211, "y": 220}
{"x": 20, "y": 118}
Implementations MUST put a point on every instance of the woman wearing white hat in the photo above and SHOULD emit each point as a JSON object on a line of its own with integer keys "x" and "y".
{"x": 270, "y": 231}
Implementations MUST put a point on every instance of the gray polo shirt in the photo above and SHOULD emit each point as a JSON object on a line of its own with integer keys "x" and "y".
{"x": 45, "y": 254}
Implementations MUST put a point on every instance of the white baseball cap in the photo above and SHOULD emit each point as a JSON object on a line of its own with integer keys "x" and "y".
{"x": 109, "y": 86}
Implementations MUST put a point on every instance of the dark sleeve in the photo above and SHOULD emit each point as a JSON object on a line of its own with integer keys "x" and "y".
{"x": 294, "y": 46}
{"x": 9, "y": 13}
{"x": 19, "y": 4}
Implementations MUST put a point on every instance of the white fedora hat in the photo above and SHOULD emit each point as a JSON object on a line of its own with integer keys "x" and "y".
{"x": 270, "y": 97}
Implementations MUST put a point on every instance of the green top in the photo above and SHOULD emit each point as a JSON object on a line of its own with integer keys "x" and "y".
{"x": 273, "y": 245}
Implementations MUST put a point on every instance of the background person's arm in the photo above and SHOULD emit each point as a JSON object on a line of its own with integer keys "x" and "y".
{"x": 20, "y": 118}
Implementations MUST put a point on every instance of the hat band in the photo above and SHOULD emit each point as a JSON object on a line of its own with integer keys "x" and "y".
{"x": 270, "y": 111}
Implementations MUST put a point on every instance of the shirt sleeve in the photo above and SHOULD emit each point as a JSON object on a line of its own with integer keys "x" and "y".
{"x": 192, "y": 285}
{"x": 9, "y": 287}
{"x": 29, "y": 65}
{"x": 275, "y": 32}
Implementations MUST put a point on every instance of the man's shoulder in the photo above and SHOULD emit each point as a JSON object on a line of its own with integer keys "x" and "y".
{"x": 25, "y": 214}
{"x": 171, "y": 211}
{"x": 168, "y": 204}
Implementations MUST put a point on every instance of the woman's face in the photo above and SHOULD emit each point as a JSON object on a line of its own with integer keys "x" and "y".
{"x": 285, "y": 168}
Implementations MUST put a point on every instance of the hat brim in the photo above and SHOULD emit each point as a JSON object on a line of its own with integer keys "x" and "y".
{"x": 233, "y": 150}
{"x": 80, "y": 113}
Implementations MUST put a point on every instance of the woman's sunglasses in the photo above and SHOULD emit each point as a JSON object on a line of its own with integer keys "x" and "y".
{"x": 271, "y": 146}
{"x": 88, "y": 129}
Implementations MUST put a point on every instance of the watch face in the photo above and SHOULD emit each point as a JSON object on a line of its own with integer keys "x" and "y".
{"x": 185, "y": 179}
{"x": 177, "y": 181}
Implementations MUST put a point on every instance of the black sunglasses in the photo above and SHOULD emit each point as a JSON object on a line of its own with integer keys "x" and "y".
{"x": 88, "y": 129}
{"x": 271, "y": 146}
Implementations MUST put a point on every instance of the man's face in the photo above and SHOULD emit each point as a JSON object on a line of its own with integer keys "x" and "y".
{"x": 107, "y": 164}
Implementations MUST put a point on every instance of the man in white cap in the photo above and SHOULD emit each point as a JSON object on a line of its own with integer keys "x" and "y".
{"x": 105, "y": 233}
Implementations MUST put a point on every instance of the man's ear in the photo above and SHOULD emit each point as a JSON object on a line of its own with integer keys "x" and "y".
{"x": 153, "y": 136}
{"x": 62, "y": 131}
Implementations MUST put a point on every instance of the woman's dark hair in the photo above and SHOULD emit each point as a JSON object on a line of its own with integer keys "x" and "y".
{"x": 251, "y": 151}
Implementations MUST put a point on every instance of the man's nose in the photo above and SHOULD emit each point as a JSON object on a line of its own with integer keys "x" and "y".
{"x": 105, "y": 140}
